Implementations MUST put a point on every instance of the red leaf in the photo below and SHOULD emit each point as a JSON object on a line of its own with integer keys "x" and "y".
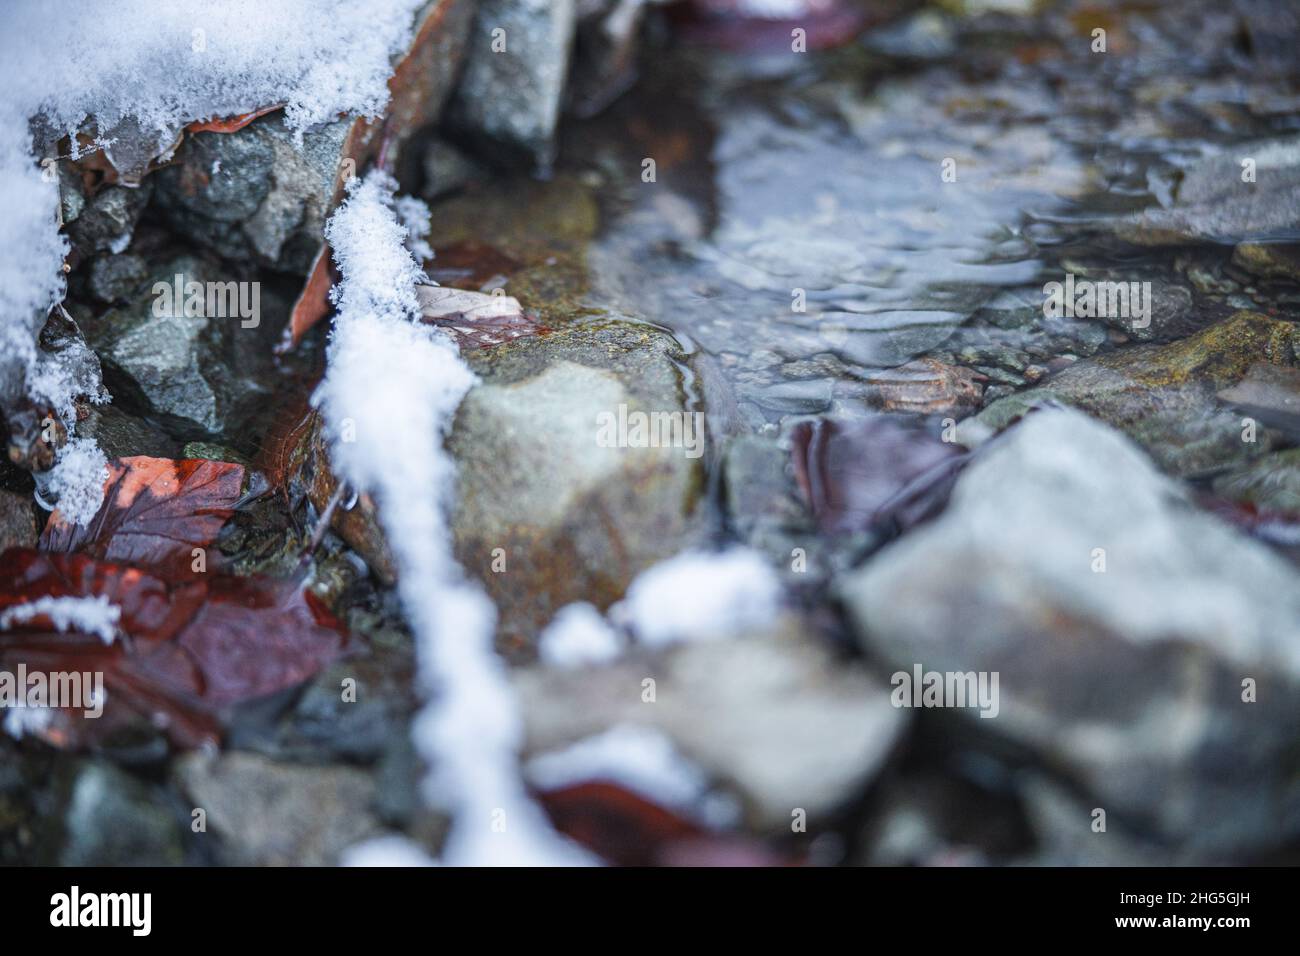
{"x": 627, "y": 830}
{"x": 155, "y": 512}
{"x": 185, "y": 652}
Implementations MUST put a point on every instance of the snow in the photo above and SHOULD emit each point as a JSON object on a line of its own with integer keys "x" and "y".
{"x": 388, "y": 399}
{"x": 26, "y": 720}
{"x": 392, "y": 850}
{"x": 155, "y": 65}
{"x": 579, "y": 635}
{"x": 701, "y": 596}
{"x": 77, "y": 480}
{"x": 642, "y": 760}
{"x": 87, "y": 615}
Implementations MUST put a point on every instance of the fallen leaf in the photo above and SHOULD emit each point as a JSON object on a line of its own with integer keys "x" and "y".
{"x": 313, "y": 303}
{"x": 230, "y": 124}
{"x": 625, "y": 829}
{"x": 872, "y": 474}
{"x": 927, "y": 386}
{"x": 476, "y": 319}
{"x": 184, "y": 653}
{"x": 156, "y": 511}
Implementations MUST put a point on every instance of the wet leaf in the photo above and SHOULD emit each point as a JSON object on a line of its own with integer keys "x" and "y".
{"x": 476, "y": 319}
{"x": 625, "y": 829}
{"x": 156, "y": 511}
{"x": 184, "y": 653}
{"x": 230, "y": 124}
{"x": 872, "y": 474}
{"x": 313, "y": 303}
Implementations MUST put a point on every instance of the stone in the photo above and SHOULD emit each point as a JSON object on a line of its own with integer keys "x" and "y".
{"x": 1165, "y": 397}
{"x": 113, "y": 819}
{"x": 108, "y": 221}
{"x": 278, "y": 814}
{"x": 570, "y": 519}
{"x": 17, "y": 521}
{"x": 1128, "y": 679}
{"x": 775, "y": 716}
{"x": 515, "y": 70}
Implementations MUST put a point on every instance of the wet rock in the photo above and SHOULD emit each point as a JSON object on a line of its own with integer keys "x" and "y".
{"x": 265, "y": 813}
{"x": 775, "y": 716}
{"x": 120, "y": 434}
{"x": 1165, "y": 396}
{"x": 17, "y": 521}
{"x": 574, "y": 520}
{"x": 1271, "y": 483}
{"x": 177, "y": 367}
{"x": 1130, "y": 678}
{"x": 1269, "y": 260}
{"x": 518, "y": 57}
{"x": 107, "y": 222}
{"x": 113, "y": 819}
{"x": 114, "y": 278}
{"x": 926, "y": 386}
{"x": 1214, "y": 201}
{"x": 764, "y": 505}
{"x": 1271, "y": 394}
{"x": 605, "y": 52}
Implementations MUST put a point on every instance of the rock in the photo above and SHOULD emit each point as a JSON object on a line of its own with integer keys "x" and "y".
{"x": 1271, "y": 483}
{"x": 272, "y": 814}
{"x": 114, "y": 278}
{"x": 112, "y": 819}
{"x": 253, "y": 195}
{"x": 191, "y": 372}
{"x": 775, "y": 716}
{"x": 514, "y": 75}
{"x": 765, "y": 508}
{"x": 927, "y": 386}
{"x": 107, "y": 222}
{"x": 1270, "y": 393}
{"x": 574, "y": 520}
{"x": 17, "y": 521}
{"x": 446, "y": 169}
{"x": 121, "y": 435}
{"x": 1165, "y": 396}
{"x": 1213, "y": 201}
{"x": 1129, "y": 681}
{"x": 1268, "y": 260}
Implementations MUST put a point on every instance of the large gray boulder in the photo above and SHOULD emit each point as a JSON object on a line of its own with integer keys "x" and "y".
{"x": 1129, "y": 629}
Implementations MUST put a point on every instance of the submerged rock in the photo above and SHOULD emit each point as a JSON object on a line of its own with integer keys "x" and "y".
{"x": 1144, "y": 648}
{"x": 1165, "y": 397}
{"x": 557, "y": 501}
{"x": 774, "y": 716}
{"x": 516, "y": 64}
{"x": 112, "y": 819}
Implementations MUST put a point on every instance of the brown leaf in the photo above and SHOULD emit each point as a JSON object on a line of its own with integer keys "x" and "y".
{"x": 872, "y": 474}
{"x": 926, "y": 386}
{"x": 155, "y": 512}
{"x": 313, "y": 302}
{"x": 476, "y": 319}
{"x": 184, "y": 653}
{"x": 230, "y": 124}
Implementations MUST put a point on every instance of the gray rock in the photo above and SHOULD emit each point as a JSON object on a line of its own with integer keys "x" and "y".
{"x": 255, "y": 195}
{"x": 112, "y": 819}
{"x": 446, "y": 169}
{"x": 1130, "y": 680}
{"x": 774, "y": 716}
{"x": 180, "y": 368}
{"x": 1165, "y": 397}
{"x": 576, "y": 521}
{"x": 17, "y": 521}
{"x": 113, "y": 278}
{"x": 271, "y": 814}
{"x": 107, "y": 222}
{"x": 120, "y": 434}
{"x": 1214, "y": 203}
{"x": 1271, "y": 483}
{"x": 511, "y": 96}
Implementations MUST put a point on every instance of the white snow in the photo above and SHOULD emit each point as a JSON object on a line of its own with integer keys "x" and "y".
{"x": 22, "y": 719}
{"x": 162, "y": 64}
{"x": 392, "y": 850}
{"x": 88, "y": 615}
{"x": 579, "y": 635}
{"x": 642, "y": 760}
{"x": 388, "y": 397}
{"x": 77, "y": 479}
{"x": 701, "y": 596}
